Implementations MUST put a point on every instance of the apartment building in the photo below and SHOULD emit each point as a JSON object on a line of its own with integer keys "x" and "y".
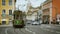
{"x": 6, "y": 11}
{"x": 56, "y": 10}
{"x": 47, "y": 12}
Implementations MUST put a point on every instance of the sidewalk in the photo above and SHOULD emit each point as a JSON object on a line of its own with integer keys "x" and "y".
{"x": 50, "y": 24}
{"x": 9, "y": 25}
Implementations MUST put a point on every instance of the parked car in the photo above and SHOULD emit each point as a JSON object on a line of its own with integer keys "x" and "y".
{"x": 35, "y": 23}
{"x": 58, "y": 21}
{"x": 28, "y": 21}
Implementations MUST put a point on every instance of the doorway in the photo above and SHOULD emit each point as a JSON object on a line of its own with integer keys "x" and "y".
{"x": 3, "y": 22}
{"x": 46, "y": 19}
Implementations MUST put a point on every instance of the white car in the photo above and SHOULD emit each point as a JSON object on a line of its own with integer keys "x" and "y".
{"x": 40, "y": 21}
{"x": 58, "y": 18}
{"x": 35, "y": 23}
{"x": 58, "y": 21}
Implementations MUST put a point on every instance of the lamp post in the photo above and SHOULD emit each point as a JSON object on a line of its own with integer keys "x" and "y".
{"x": 37, "y": 17}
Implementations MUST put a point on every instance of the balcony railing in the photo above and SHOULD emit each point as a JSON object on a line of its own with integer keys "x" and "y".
{"x": 4, "y": 16}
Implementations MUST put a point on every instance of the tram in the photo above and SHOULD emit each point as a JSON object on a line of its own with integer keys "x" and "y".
{"x": 18, "y": 21}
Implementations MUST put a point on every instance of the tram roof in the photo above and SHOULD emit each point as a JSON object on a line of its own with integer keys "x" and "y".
{"x": 17, "y": 12}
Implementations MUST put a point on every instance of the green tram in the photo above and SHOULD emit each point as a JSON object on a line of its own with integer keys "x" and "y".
{"x": 18, "y": 21}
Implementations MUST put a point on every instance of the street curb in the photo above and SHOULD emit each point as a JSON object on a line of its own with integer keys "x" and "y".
{"x": 51, "y": 24}
{"x": 6, "y": 25}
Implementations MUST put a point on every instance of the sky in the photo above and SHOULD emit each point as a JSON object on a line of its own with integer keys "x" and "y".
{"x": 22, "y": 4}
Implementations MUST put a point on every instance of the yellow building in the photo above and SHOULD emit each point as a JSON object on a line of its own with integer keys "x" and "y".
{"x": 6, "y": 10}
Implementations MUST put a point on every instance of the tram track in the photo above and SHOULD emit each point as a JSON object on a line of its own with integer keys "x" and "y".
{"x": 15, "y": 31}
{"x": 19, "y": 31}
{"x": 22, "y": 31}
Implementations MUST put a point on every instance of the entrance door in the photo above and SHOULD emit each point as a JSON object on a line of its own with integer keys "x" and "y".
{"x": 46, "y": 19}
{"x": 3, "y": 22}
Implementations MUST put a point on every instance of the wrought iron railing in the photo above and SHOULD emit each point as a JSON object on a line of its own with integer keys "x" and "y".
{"x": 4, "y": 16}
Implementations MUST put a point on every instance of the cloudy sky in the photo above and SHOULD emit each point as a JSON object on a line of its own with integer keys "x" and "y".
{"x": 22, "y": 4}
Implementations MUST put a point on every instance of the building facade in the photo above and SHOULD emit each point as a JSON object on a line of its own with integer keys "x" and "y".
{"x": 51, "y": 11}
{"x": 47, "y": 12}
{"x": 55, "y": 10}
{"x": 32, "y": 13}
{"x": 6, "y": 11}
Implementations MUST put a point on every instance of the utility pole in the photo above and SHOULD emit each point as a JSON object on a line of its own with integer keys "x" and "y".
{"x": 37, "y": 16}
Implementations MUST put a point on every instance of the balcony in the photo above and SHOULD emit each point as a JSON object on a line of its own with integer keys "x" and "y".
{"x": 4, "y": 16}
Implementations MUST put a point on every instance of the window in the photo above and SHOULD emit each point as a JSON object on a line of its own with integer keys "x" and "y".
{"x": 3, "y": 11}
{"x": 3, "y": 2}
{"x": 10, "y": 12}
{"x": 10, "y": 2}
{"x": 14, "y": 16}
{"x": 3, "y": 14}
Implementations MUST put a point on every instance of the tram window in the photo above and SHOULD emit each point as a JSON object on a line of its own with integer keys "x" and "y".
{"x": 17, "y": 17}
{"x": 14, "y": 16}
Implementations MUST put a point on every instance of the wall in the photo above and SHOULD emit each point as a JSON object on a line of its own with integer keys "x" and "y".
{"x": 55, "y": 8}
{"x": 7, "y": 8}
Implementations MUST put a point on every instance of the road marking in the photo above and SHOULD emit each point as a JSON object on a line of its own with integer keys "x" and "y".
{"x": 56, "y": 25}
{"x": 6, "y": 31}
{"x": 31, "y": 26}
{"x": 57, "y": 32}
{"x": 33, "y": 32}
{"x": 30, "y": 31}
{"x": 48, "y": 26}
{"x": 47, "y": 29}
{"x": 27, "y": 30}
{"x": 51, "y": 31}
{"x": 17, "y": 31}
{"x": 9, "y": 28}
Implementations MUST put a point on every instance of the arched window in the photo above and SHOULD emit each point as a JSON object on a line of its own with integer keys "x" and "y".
{"x": 3, "y": 11}
{"x": 10, "y": 12}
